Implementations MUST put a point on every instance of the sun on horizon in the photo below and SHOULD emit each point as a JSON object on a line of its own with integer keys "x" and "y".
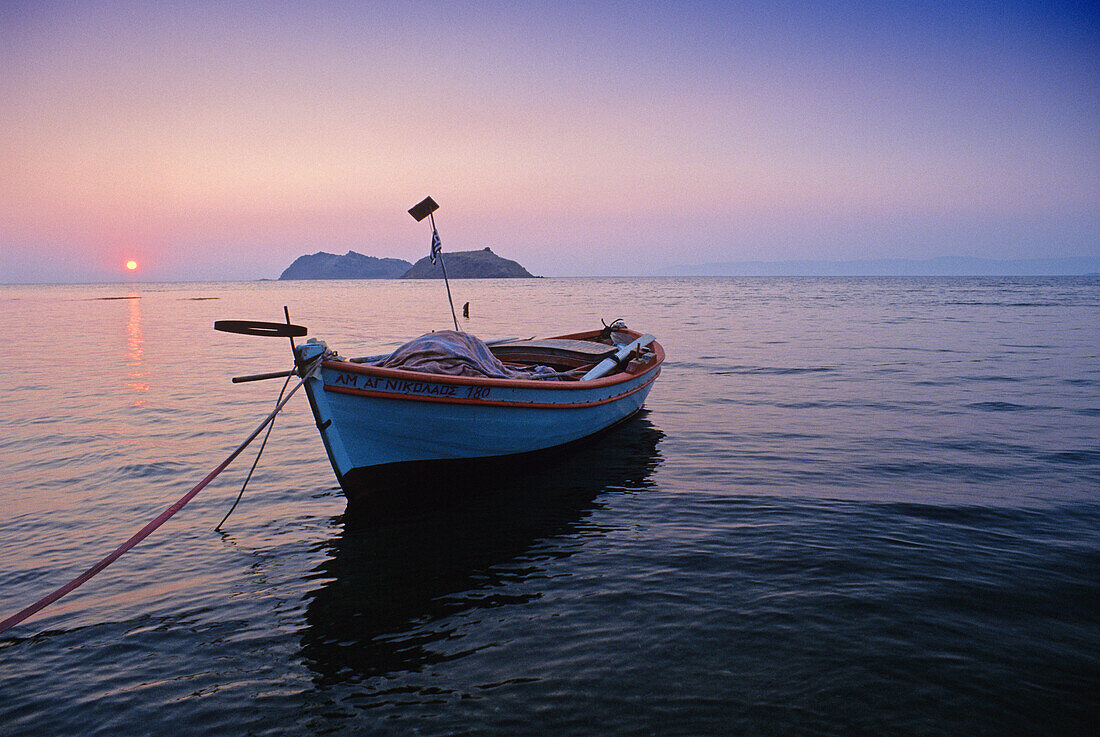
{"x": 131, "y": 265}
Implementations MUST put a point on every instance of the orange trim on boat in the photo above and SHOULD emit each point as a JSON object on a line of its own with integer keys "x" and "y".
{"x": 491, "y": 402}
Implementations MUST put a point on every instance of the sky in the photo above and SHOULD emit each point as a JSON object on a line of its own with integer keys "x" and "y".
{"x": 222, "y": 140}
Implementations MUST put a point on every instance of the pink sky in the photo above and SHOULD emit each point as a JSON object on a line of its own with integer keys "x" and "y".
{"x": 223, "y": 141}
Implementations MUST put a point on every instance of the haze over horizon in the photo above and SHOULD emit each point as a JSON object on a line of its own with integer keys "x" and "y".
{"x": 221, "y": 141}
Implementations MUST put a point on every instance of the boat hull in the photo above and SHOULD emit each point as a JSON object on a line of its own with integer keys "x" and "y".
{"x": 396, "y": 483}
{"x": 386, "y": 427}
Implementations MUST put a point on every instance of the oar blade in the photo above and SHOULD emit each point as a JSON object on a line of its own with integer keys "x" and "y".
{"x": 263, "y": 329}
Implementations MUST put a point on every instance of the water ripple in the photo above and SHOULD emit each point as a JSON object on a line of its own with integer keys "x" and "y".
{"x": 853, "y": 507}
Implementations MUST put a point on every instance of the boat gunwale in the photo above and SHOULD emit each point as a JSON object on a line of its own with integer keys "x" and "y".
{"x": 630, "y": 372}
{"x": 495, "y": 402}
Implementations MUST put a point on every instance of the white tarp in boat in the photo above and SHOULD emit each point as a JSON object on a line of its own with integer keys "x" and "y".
{"x": 457, "y": 354}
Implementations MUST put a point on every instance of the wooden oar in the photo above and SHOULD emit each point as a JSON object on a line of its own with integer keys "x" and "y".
{"x": 262, "y": 377}
{"x": 263, "y": 329}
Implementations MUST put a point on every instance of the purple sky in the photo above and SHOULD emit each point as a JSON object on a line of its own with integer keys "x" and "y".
{"x": 224, "y": 140}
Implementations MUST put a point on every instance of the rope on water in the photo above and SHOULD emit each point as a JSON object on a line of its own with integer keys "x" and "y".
{"x": 149, "y": 528}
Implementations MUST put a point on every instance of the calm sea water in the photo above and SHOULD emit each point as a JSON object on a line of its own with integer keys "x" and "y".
{"x": 853, "y": 506}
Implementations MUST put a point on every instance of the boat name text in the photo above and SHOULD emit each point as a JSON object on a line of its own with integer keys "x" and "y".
{"x": 404, "y": 386}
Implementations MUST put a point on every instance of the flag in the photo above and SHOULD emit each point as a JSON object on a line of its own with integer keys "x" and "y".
{"x": 436, "y": 246}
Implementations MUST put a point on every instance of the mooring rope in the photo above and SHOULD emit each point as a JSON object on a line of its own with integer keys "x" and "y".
{"x": 256, "y": 462}
{"x": 149, "y": 528}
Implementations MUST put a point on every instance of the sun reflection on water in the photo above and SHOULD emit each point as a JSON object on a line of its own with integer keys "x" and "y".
{"x": 135, "y": 353}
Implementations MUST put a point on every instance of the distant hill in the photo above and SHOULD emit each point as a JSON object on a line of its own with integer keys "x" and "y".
{"x": 946, "y": 266}
{"x": 483, "y": 264}
{"x": 351, "y": 265}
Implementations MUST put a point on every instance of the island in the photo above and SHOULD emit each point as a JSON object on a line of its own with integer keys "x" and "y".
{"x": 351, "y": 265}
{"x": 483, "y": 264}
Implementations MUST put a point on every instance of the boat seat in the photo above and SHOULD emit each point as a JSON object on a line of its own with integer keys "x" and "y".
{"x": 554, "y": 350}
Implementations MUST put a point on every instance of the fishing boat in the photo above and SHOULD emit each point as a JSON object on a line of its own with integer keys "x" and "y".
{"x": 445, "y": 403}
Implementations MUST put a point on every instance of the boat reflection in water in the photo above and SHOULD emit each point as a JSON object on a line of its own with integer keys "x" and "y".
{"x": 399, "y": 571}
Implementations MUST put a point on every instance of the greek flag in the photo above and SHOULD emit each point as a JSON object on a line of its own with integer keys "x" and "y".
{"x": 436, "y": 246}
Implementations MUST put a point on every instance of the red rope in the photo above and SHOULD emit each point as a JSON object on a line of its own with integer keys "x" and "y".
{"x": 144, "y": 531}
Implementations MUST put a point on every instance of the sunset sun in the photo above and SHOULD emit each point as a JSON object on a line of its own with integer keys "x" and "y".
{"x": 131, "y": 265}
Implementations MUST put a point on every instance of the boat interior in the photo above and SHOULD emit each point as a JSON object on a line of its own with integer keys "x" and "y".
{"x": 560, "y": 354}
{"x": 576, "y": 357}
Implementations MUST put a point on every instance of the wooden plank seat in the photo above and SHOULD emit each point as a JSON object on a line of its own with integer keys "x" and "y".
{"x": 557, "y": 351}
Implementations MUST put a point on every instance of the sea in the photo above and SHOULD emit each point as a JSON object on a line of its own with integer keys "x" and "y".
{"x": 851, "y": 506}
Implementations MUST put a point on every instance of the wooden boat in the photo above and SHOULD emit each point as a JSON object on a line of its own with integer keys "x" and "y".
{"x": 385, "y": 427}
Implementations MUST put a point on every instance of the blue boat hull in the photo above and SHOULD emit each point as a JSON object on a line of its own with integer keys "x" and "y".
{"x": 382, "y": 427}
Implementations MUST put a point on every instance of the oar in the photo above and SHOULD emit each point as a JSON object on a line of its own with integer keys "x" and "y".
{"x": 266, "y": 330}
{"x": 606, "y": 365}
{"x": 263, "y": 329}
{"x": 261, "y": 377}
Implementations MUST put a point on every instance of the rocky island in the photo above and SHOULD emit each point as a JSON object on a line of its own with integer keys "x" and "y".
{"x": 483, "y": 264}
{"x": 351, "y": 265}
